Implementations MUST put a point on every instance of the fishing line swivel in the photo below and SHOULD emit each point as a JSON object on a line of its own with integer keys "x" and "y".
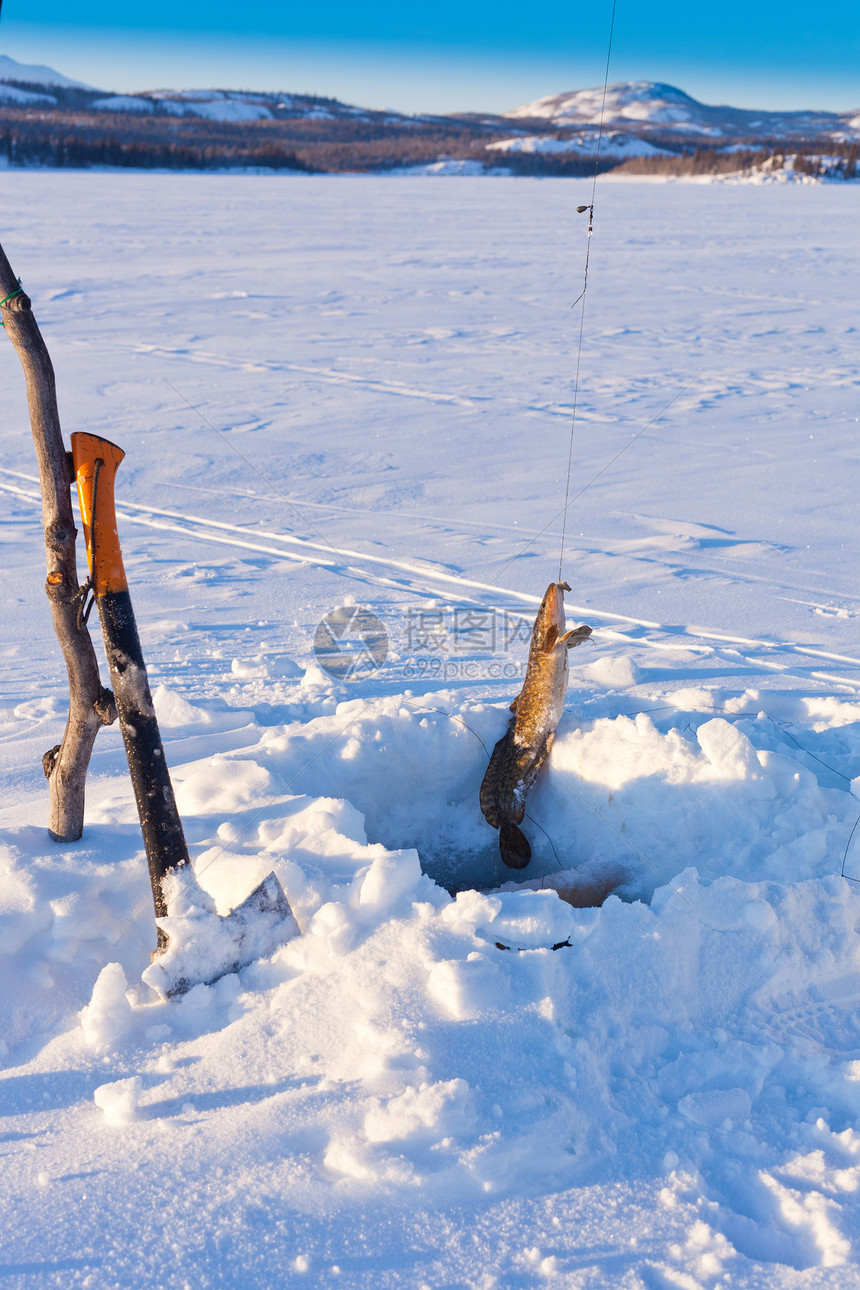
{"x": 579, "y": 211}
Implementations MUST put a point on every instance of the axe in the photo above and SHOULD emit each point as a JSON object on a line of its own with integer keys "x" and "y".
{"x": 264, "y": 920}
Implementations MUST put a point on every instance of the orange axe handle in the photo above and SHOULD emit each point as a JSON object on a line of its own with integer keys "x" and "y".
{"x": 96, "y": 461}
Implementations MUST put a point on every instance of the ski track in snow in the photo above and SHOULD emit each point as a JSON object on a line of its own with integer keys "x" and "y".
{"x": 391, "y": 1100}
{"x": 449, "y": 586}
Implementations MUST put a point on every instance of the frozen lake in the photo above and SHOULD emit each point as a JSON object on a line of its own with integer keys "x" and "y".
{"x": 357, "y": 390}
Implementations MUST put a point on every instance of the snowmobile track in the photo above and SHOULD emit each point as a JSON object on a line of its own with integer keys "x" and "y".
{"x": 421, "y": 579}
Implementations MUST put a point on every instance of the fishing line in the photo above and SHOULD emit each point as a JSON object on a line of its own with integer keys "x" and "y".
{"x": 538, "y": 825}
{"x": 286, "y": 784}
{"x": 845, "y": 875}
{"x": 418, "y": 706}
{"x": 552, "y": 770}
{"x": 741, "y": 716}
{"x": 563, "y": 513}
{"x": 435, "y": 593}
{"x": 581, "y": 297}
{"x": 424, "y": 707}
{"x": 531, "y": 541}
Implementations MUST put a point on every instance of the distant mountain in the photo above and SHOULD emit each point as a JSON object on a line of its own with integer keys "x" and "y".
{"x": 652, "y": 106}
{"x": 36, "y": 74}
{"x": 48, "y": 119}
{"x": 641, "y": 108}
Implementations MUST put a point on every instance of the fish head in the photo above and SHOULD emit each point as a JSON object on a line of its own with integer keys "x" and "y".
{"x": 550, "y": 614}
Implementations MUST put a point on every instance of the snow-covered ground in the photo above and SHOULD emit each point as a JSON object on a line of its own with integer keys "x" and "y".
{"x": 418, "y": 1090}
{"x": 614, "y": 145}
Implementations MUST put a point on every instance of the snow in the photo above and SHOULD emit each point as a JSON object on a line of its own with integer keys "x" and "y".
{"x": 641, "y": 101}
{"x": 652, "y": 104}
{"x": 217, "y": 105}
{"x": 35, "y": 74}
{"x": 616, "y": 145}
{"x": 198, "y": 96}
{"x": 774, "y": 170}
{"x": 446, "y": 166}
{"x": 11, "y": 94}
{"x": 232, "y": 110}
{"x": 417, "y": 1089}
{"x": 123, "y": 103}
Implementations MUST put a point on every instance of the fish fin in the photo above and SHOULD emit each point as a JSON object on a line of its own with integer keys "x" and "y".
{"x": 550, "y": 640}
{"x": 575, "y": 637}
{"x": 514, "y": 846}
{"x": 489, "y": 797}
{"x": 516, "y": 702}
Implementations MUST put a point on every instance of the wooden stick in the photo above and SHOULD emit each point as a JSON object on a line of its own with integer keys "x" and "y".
{"x": 90, "y": 705}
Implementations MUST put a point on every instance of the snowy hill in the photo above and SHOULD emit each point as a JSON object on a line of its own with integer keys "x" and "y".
{"x": 36, "y": 74}
{"x": 650, "y": 128}
{"x": 215, "y": 105}
{"x": 655, "y": 106}
{"x": 234, "y": 106}
{"x": 24, "y": 98}
{"x": 220, "y": 105}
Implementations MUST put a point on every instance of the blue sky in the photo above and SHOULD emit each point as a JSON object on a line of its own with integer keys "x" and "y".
{"x": 450, "y": 55}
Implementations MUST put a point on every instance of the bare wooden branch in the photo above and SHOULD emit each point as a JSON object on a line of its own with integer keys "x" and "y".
{"x": 88, "y": 706}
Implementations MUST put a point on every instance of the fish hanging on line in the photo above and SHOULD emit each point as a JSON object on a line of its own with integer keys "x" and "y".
{"x": 524, "y": 747}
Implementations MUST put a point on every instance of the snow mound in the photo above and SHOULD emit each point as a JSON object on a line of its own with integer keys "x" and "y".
{"x": 119, "y": 1100}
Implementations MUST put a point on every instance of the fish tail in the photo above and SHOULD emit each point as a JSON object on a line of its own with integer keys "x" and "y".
{"x": 514, "y": 846}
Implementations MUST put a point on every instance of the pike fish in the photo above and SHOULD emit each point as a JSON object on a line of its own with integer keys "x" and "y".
{"x": 524, "y": 747}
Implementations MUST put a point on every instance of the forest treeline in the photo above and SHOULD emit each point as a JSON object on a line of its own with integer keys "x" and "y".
{"x": 73, "y": 136}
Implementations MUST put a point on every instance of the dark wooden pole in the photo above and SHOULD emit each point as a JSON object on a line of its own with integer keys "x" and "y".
{"x": 90, "y": 705}
{"x": 96, "y": 462}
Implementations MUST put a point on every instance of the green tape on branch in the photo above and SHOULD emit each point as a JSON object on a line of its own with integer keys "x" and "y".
{"x": 19, "y": 290}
